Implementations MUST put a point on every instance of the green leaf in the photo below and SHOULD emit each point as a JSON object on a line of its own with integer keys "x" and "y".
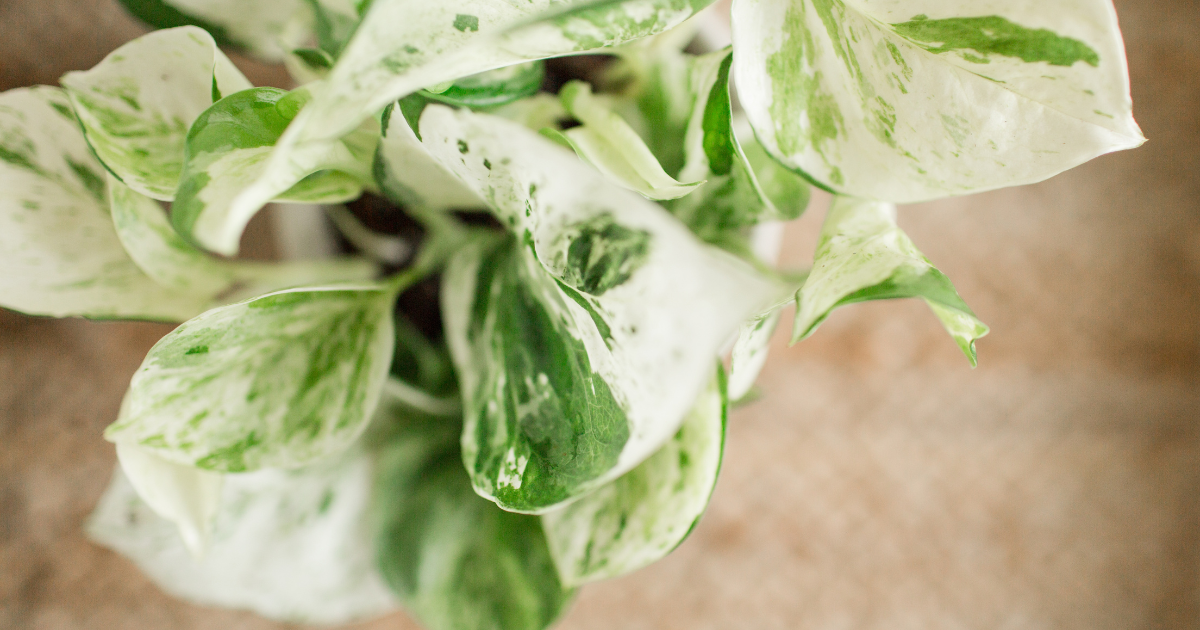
{"x": 862, "y": 255}
{"x": 457, "y": 561}
{"x": 278, "y": 381}
{"x": 136, "y": 106}
{"x": 494, "y": 87}
{"x": 188, "y": 497}
{"x": 642, "y": 516}
{"x": 60, "y": 254}
{"x": 291, "y": 545}
{"x": 582, "y": 340}
{"x": 228, "y": 147}
{"x": 267, "y": 28}
{"x": 402, "y": 46}
{"x": 908, "y": 101}
{"x": 408, "y": 175}
{"x": 154, "y": 245}
{"x": 615, "y": 149}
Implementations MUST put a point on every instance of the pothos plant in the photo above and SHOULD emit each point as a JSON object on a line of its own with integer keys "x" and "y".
{"x": 320, "y": 457}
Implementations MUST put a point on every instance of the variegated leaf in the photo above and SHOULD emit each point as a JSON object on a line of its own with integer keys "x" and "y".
{"x": 457, "y": 561}
{"x": 278, "y": 381}
{"x": 494, "y": 87}
{"x": 185, "y": 495}
{"x": 137, "y": 105}
{"x": 147, "y": 235}
{"x": 749, "y": 353}
{"x": 648, "y": 511}
{"x": 228, "y": 147}
{"x": 907, "y": 100}
{"x": 407, "y": 174}
{"x": 615, "y": 149}
{"x": 862, "y": 255}
{"x": 582, "y": 340}
{"x": 58, "y": 250}
{"x": 268, "y": 28}
{"x": 402, "y": 46}
{"x": 289, "y": 545}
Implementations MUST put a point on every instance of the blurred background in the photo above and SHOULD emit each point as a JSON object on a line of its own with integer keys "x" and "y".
{"x": 879, "y": 482}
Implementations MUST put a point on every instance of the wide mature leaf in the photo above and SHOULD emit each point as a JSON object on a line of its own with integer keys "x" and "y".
{"x": 187, "y": 496}
{"x": 407, "y": 174}
{"x": 228, "y": 147}
{"x": 278, "y": 381}
{"x": 267, "y": 28}
{"x": 910, "y": 100}
{"x": 290, "y": 545}
{"x": 137, "y": 105}
{"x": 402, "y": 46}
{"x": 457, "y": 561}
{"x": 615, "y": 149}
{"x": 583, "y": 339}
{"x": 147, "y": 235}
{"x": 862, "y": 255}
{"x": 58, "y": 250}
{"x": 648, "y": 511}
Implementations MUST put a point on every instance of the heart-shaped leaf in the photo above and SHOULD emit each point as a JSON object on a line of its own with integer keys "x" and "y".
{"x": 919, "y": 99}
{"x": 277, "y": 381}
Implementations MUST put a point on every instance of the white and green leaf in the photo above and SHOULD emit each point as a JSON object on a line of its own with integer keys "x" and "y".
{"x": 493, "y": 88}
{"x": 185, "y": 495}
{"x": 750, "y": 351}
{"x": 137, "y": 105}
{"x": 862, "y": 255}
{"x": 228, "y": 147}
{"x": 457, "y": 561}
{"x": 60, "y": 253}
{"x": 583, "y": 339}
{"x": 402, "y": 46}
{"x": 291, "y": 545}
{"x": 647, "y": 512}
{"x": 615, "y": 149}
{"x": 911, "y": 100}
{"x": 278, "y": 381}
{"x": 268, "y": 28}
{"x": 162, "y": 254}
{"x": 407, "y": 174}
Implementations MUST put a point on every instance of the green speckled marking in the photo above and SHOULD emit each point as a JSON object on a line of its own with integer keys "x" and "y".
{"x": 604, "y": 254}
{"x": 995, "y": 35}
{"x": 464, "y": 23}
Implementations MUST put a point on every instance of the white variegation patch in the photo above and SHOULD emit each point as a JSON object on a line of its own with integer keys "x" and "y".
{"x": 184, "y": 495}
{"x": 137, "y": 105}
{"x": 163, "y": 255}
{"x": 908, "y": 100}
{"x": 404, "y": 45}
{"x": 60, "y": 254}
{"x": 278, "y": 381}
{"x": 615, "y": 149}
{"x": 862, "y": 255}
{"x": 293, "y": 546}
{"x": 269, "y": 28}
{"x": 750, "y": 352}
{"x": 647, "y": 512}
{"x": 664, "y": 322}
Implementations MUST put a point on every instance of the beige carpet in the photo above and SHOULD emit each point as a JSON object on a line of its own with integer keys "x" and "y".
{"x": 880, "y": 483}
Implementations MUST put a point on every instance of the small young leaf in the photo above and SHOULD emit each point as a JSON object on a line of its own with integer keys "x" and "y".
{"x": 278, "y": 381}
{"x": 750, "y": 352}
{"x": 60, "y": 254}
{"x": 583, "y": 339}
{"x": 186, "y": 496}
{"x": 907, "y": 101}
{"x": 608, "y": 143}
{"x": 407, "y": 174}
{"x": 293, "y": 545}
{"x": 457, "y": 561}
{"x": 136, "y": 106}
{"x": 862, "y": 255}
{"x": 228, "y": 147}
{"x": 648, "y": 511}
